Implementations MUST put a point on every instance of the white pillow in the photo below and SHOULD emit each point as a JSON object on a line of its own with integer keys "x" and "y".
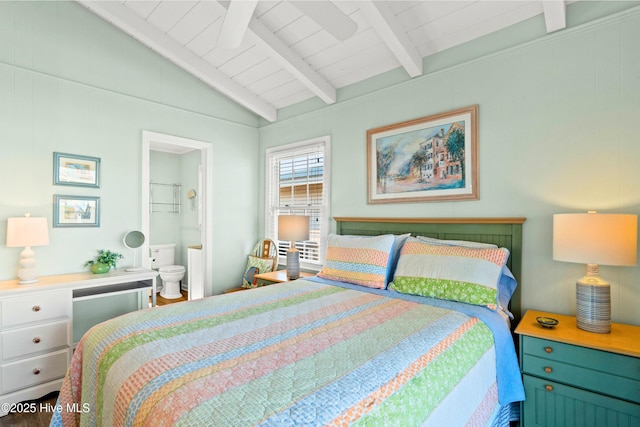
{"x": 464, "y": 243}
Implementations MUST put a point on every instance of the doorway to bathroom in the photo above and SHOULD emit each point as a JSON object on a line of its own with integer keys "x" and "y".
{"x": 177, "y": 203}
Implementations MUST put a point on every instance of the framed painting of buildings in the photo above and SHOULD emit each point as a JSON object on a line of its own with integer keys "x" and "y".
{"x": 432, "y": 158}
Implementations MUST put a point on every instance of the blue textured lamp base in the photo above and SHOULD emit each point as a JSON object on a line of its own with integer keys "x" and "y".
{"x": 293, "y": 264}
{"x": 593, "y": 307}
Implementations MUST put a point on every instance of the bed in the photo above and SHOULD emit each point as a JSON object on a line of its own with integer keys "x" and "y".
{"x": 320, "y": 351}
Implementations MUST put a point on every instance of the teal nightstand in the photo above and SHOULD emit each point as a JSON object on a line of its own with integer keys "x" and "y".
{"x": 578, "y": 378}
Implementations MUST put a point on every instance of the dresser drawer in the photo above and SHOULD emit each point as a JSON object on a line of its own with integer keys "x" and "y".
{"x": 34, "y": 339}
{"x": 35, "y": 308}
{"x": 602, "y": 372}
{"x": 32, "y": 371}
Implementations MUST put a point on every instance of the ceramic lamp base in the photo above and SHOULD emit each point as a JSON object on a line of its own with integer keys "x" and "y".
{"x": 293, "y": 264}
{"x": 27, "y": 272}
{"x": 593, "y": 307}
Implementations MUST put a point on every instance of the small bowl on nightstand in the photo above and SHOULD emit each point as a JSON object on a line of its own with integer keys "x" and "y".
{"x": 547, "y": 322}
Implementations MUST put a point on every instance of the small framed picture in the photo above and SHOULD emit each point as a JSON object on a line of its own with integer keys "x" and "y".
{"x": 76, "y": 211}
{"x": 76, "y": 170}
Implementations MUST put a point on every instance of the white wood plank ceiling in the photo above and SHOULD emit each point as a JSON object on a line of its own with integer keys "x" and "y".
{"x": 285, "y": 57}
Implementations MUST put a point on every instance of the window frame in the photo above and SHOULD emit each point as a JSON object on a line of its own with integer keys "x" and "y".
{"x": 272, "y": 185}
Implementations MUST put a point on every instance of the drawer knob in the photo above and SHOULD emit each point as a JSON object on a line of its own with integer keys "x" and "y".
{"x": 548, "y": 349}
{"x": 548, "y": 369}
{"x": 36, "y": 308}
{"x": 36, "y": 371}
{"x": 36, "y": 340}
{"x": 548, "y": 387}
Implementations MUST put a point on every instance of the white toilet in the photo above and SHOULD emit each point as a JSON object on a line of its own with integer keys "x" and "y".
{"x": 163, "y": 257}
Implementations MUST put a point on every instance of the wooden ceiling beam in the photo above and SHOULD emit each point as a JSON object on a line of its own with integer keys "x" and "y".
{"x": 126, "y": 20}
{"x": 386, "y": 25}
{"x": 555, "y": 15}
{"x": 290, "y": 61}
{"x": 235, "y": 23}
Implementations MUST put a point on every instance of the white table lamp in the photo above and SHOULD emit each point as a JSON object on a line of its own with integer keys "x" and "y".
{"x": 593, "y": 239}
{"x": 294, "y": 228}
{"x": 27, "y": 232}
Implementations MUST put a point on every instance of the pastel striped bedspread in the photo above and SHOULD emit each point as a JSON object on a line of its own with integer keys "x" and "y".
{"x": 293, "y": 354}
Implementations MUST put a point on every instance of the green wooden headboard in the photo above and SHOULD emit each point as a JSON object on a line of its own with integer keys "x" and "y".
{"x": 504, "y": 232}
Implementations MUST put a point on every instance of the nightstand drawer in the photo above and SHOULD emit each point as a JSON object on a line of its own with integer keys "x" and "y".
{"x": 599, "y": 371}
{"x": 593, "y": 360}
{"x": 34, "y": 339}
{"x": 553, "y": 404}
{"x": 579, "y": 376}
{"x": 34, "y": 308}
{"x": 36, "y": 370}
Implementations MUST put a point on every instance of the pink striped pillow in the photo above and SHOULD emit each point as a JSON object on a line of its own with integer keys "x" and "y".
{"x": 361, "y": 260}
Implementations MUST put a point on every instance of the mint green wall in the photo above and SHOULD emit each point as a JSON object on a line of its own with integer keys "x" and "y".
{"x": 189, "y": 230}
{"x": 71, "y": 82}
{"x": 170, "y": 227}
{"x": 164, "y": 225}
{"x": 557, "y": 133}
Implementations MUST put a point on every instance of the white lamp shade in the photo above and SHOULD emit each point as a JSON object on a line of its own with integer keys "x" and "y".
{"x": 27, "y": 231}
{"x": 294, "y": 228}
{"x": 591, "y": 238}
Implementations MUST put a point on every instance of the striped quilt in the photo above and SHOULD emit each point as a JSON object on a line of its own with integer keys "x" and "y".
{"x": 298, "y": 353}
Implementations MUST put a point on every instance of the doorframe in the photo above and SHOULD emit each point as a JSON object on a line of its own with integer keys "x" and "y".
{"x": 149, "y": 139}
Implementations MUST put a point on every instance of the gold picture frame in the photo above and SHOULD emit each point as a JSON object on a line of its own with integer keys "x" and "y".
{"x": 429, "y": 159}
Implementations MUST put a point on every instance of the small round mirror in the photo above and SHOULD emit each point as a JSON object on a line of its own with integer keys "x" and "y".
{"x": 133, "y": 240}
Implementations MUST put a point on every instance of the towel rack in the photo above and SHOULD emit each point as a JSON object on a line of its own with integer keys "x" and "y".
{"x": 165, "y": 198}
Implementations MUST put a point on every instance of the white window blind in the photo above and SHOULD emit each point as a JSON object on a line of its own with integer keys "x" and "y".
{"x": 298, "y": 183}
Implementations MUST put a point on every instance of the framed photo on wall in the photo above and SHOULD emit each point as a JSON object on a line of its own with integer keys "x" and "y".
{"x": 76, "y": 211}
{"x": 76, "y": 170}
{"x": 432, "y": 158}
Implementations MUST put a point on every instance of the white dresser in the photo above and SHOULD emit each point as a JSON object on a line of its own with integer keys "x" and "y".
{"x": 36, "y": 326}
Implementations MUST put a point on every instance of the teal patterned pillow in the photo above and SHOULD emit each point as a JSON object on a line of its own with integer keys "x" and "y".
{"x": 255, "y": 265}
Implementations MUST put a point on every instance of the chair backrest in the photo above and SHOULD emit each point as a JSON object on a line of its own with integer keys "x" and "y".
{"x": 267, "y": 248}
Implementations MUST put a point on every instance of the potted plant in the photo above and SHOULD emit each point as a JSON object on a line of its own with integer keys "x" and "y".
{"x": 103, "y": 262}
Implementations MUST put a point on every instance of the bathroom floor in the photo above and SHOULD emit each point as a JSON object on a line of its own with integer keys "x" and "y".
{"x": 164, "y": 301}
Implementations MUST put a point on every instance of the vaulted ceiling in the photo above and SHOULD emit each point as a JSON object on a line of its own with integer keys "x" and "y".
{"x": 289, "y": 51}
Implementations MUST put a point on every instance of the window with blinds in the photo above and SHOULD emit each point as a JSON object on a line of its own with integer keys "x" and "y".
{"x": 298, "y": 183}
